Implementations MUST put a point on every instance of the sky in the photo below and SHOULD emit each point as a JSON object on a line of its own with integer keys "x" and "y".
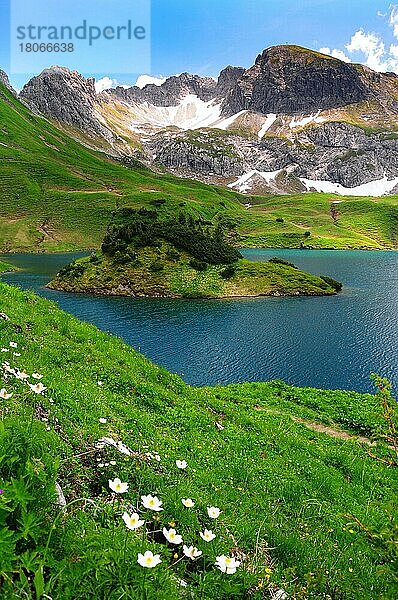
{"x": 204, "y": 36}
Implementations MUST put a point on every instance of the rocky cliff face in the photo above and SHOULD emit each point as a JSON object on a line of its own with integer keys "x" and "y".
{"x": 345, "y": 154}
{"x": 67, "y": 97}
{"x": 335, "y": 152}
{"x": 198, "y": 152}
{"x": 228, "y": 80}
{"x": 5, "y": 81}
{"x": 293, "y": 80}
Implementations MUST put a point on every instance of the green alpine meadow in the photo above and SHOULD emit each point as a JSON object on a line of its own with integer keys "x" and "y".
{"x": 106, "y": 457}
{"x": 198, "y": 301}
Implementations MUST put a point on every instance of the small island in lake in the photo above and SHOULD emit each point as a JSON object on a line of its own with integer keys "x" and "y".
{"x": 144, "y": 255}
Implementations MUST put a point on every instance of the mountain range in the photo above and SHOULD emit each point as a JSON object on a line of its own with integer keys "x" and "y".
{"x": 296, "y": 121}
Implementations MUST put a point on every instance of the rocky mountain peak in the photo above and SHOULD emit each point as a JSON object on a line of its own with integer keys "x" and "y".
{"x": 5, "y": 81}
{"x": 294, "y": 80}
{"x": 57, "y": 76}
{"x": 66, "y": 96}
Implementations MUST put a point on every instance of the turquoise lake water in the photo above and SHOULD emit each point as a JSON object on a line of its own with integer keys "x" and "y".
{"x": 328, "y": 342}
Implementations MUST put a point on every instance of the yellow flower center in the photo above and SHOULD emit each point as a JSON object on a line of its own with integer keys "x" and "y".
{"x": 117, "y": 486}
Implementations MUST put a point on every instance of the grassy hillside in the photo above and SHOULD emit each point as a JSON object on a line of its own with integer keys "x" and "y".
{"x": 59, "y": 195}
{"x": 357, "y": 222}
{"x": 289, "y": 495}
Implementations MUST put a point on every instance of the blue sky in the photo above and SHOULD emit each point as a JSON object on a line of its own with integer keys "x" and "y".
{"x": 203, "y": 36}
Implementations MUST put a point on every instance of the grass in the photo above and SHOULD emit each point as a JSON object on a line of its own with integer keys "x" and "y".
{"x": 5, "y": 267}
{"x": 165, "y": 272}
{"x": 288, "y": 494}
{"x": 58, "y": 195}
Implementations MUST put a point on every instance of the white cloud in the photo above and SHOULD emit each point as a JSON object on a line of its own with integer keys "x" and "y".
{"x": 394, "y": 19}
{"x": 336, "y": 54}
{"x": 104, "y": 84}
{"x": 369, "y": 48}
{"x": 144, "y": 80}
{"x": 372, "y": 47}
{"x": 368, "y": 43}
{"x": 394, "y": 50}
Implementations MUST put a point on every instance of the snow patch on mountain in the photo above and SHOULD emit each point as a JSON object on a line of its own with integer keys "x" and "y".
{"x": 227, "y": 122}
{"x": 243, "y": 184}
{"x": 269, "y": 121}
{"x": 190, "y": 113}
{"x": 379, "y": 187}
{"x": 296, "y": 122}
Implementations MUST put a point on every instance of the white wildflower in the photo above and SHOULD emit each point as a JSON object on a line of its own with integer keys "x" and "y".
{"x": 227, "y": 564}
{"x": 117, "y": 486}
{"x": 152, "y": 503}
{"x": 21, "y": 375}
{"x": 148, "y": 559}
{"x": 133, "y": 521}
{"x": 37, "y": 388}
{"x": 207, "y": 535}
{"x": 172, "y": 536}
{"x": 188, "y": 502}
{"x": 191, "y": 552}
{"x": 213, "y": 512}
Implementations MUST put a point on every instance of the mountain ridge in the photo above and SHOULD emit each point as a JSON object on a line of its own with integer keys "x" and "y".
{"x": 273, "y": 118}
{"x": 290, "y": 97}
